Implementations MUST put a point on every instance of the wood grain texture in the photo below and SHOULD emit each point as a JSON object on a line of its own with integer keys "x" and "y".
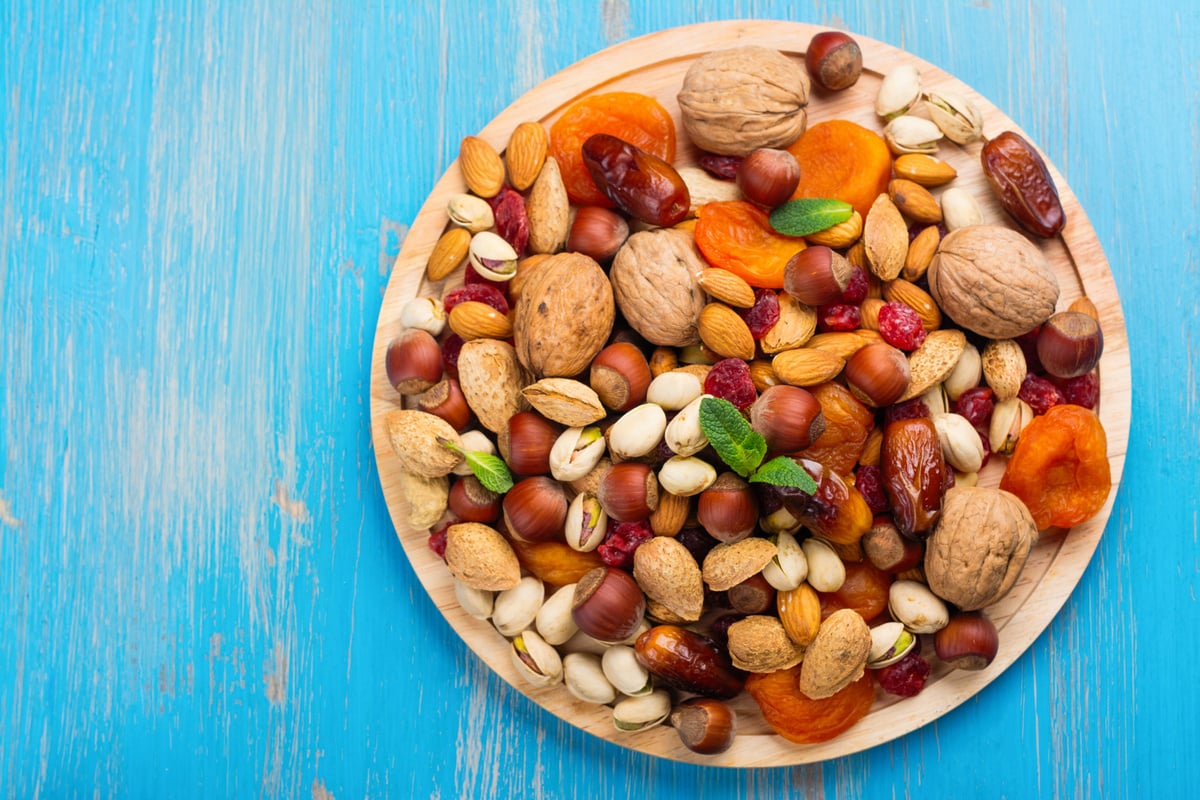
{"x": 201, "y": 587}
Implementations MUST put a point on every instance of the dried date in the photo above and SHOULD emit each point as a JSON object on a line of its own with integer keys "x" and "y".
{"x": 640, "y": 183}
{"x": 914, "y": 474}
{"x": 1021, "y": 181}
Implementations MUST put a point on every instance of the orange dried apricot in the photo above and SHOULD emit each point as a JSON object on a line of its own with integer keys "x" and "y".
{"x": 1060, "y": 467}
{"x": 802, "y": 720}
{"x": 634, "y": 118}
{"x": 738, "y": 236}
{"x": 844, "y": 161}
{"x": 556, "y": 563}
{"x": 847, "y": 424}
{"x": 865, "y": 590}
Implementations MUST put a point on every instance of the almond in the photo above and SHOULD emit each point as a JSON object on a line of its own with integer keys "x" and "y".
{"x": 666, "y": 571}
{"x": 727, "y": 565}
{"x": 491, "y": 379}
{"x": 916, "y": 298}
{"x": 933, "y": 361}
{"x": 763, "y": 375}
{"x": 669, "y": 517}
{"x": 840, "y": 236}
{"x": 885, "y": 239}
{"x": 525, "y": 154}
{"x": 797, "y": 324}
{"x": 416, "y": 439}
{"x": 914, "y": 201}
{"x": 1084, "y": 305}
{"x": 920, "y": 253}
{"x": 759, "y": 643}
{"x": 806, "y": 367}
{"x": 481, "y": 558}
{"x": 449, "y": 252}
{"x": 481, "y": 167}
{"x": 549, "y": 211}
{"x": 800, "y": 612}
{"x": 1003, "y": 368}
{"x": 869, "y": 311}
{"x": 724, "y": 286}
{"x": 475, "y": 320}
{"x": 725, "y": 333}
{"x": 841, "y": 343}
{"x": 924, "y": 170}
{"x": 564, "y": 400}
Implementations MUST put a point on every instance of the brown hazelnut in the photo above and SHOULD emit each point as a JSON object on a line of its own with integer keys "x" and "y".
{"x": 597, "y": 232}
{"x": 768, "y": 176}
{"x": 535, "y": 509}
{"x": 413, "y": 362}
{"x": 788, "y": 417}
{"x": 527, "y": 441}
{"x": 969, "y": 641}
{"x": 878, "y": 374}
{"x": 727, "y": 509}
{"x": 620, "y": 376}
{"x": 471, "y": 501}
{"x": 608, "y": 605}
{"x": 817, "y": 275}
{"x": 445, "y": 399}
{"x": 834, "y": 60}
{"x": 705, "y": 725}
{"x": 1070, "y": 344}
{"x": 628, "y": 491}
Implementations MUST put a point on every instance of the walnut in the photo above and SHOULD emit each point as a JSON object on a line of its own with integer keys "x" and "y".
{"x": 738, "y": 100}
{"x": 993, "y": 281}
{"x": 654, "y": 278}
{"x": 837, "y": 656}
{"x": 978, "y": 547}
{"x": 564, "y": 316}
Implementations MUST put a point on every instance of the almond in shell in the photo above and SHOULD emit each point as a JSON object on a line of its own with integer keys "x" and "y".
{"x": 549, "y": 210}
{"x": 728, "y": 565}
{"x": 481, "y": 558}
{"x": 885, "y": 239}
{"x": 426, "y": 498}
{"x": 666, "y": 571}
{"x": 837, "y": 656}
{"x": 564, "y": 400}
{"x": 933, "y": 361}
{"x": 481, "y": 167}
{"x": 1003, "y": 368}
{"x": 807, "y": 367}
{"x": 725, "y": 333}
{"x": 491, "y": 379}
{"x": 759, "y": 643}
{"x": 449, "y": 252}
{"x": 525, "y": 154}
{"x": 416, "y": 438}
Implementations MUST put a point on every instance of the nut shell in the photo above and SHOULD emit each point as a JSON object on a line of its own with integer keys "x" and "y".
{"x": 837, "y": 656}
{"x": 654, "y": 280}
{"x": 564, "y": 316}
{"x": 727, "y": 565}
{"x": 480, "y": 557}
{"x": 668, "y": 574}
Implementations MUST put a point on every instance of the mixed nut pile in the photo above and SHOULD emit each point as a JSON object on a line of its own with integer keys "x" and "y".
{"x": 680, "y": 432}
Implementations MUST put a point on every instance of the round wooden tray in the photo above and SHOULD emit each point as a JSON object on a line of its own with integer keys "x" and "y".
{"x": 655, "y": 65}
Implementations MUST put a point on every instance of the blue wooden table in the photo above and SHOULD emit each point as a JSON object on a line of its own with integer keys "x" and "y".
{"x": 200, "y": 590}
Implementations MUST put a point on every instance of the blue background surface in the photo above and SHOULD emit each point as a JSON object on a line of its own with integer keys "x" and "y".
{"x": 200, "y": 591}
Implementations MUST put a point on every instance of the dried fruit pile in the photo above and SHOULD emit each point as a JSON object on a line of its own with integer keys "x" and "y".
{"x": 683, "y": 431}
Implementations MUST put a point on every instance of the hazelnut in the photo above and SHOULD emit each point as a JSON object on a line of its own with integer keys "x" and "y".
{"x": 788, "y": 417}
{"x": 969, "y": 641}
{"x": 768, "y": 176}
{"x": 620, "y": 376}
{"x": 608, "y": 605}
{"x": 535, "y": 509}
{"x": 628, "y": 491}
{"x": 817, "y": 275}
{"x": 445, "y": 399}
{"x": 705, "y": 725}
{"x": 527, "y": 441}
{"x": 878, "y": 374}
{"x": 597, "y": 232}
{"x": 413, "y": 362}
{"x": 834, "y": 60}
{"x": 471, "y": 501}
{"x": 727, "y": 508}
{"x": 1070, "y": 344}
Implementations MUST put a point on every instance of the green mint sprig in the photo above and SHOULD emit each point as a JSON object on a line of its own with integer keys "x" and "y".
{"x": 809, "y": 215}
{"x": 743, "y": 449}
{"x": 490, "y": 470}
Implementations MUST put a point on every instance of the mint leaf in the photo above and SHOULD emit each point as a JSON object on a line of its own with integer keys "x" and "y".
{"x": 491, "y": 471}
{"x": 783, "y": 471}
{"x": 738, "y": 445}
{"x": 809, "y": 215}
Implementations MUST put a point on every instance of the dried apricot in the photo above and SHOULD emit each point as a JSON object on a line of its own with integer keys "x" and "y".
{"x": 865, "y": 590}
{"x": 738, "y": 236}
{"x": 847, "y": 424}
{"x": 801, "y": 720}
{"x": 556, "y": 563}
{"x": 844, "y": 161}
{"x": 1060, "y": 467}
{"x": 635, "y": 118}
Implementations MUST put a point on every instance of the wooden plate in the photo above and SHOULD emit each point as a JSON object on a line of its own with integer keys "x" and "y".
{"x": 655, "y": 65}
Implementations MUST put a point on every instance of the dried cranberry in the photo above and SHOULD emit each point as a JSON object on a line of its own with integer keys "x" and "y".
{"x": 976, "y": 405}
{"x": 437, "y": 541}
{"x": 512, "y": 223}
{"x": 987, "y": 448}
{"x": 719, "y": 630}
{"x": 763, "y": 315}
{"x": 856, "y": 289}
{"x": 1028, "y": 345}
{"x": 729, "y": 379}
{"x": 697, "y": 541}
{"x": 471, "y": 277}
{"x": 900, "y": 326}
{"x": 909, "y": 409}
{"x": 869, "y": 482}
{"x": 479, "y": 292}
{"x": 770, "y": 499}
{"x": 723, "y": 167}
{"x": 620, "y": 540}
{"x": 906, "y": 677}
{"x": 1082, "y": 391}
{"x": 839, "y": 317}
{"x": 1040, "y": 394}
{"x": 451, "y": 347}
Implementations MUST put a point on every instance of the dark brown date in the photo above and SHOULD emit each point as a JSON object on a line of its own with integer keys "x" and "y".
{"x": 640, "y": 183}
{"x": 914, "y": 474}
{"x": 1021, "y": 181}
{"x": 689, "y": 662}
{"x": 835, "y": 511}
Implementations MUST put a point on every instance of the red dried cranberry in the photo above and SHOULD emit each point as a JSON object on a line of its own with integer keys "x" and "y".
{"x": 763, "y": 315}
{"x": 719, "y": 630}
{"x": 856, "y": 289}
{"x": 839, "y": 317}
{"x": 729, "y": 379}
{"x": 900, "y": 326}
{"x": 1039, "y": 393}
{"x": 1028, "y": 345}
{"x": 987, "y": 448}
{"x": 451, "y": 347}
{"x": 471, "y": 277}
{"x": 437, "y": 541}
{"x": 512, "y": 223}
{"x": 869, "y": 482}
{"x": 976, "y": 404}
{"x": 909, "y": 409}
{"x": 1082, "y": 391}
{"x": 906, "y": 677}
{"x": 620, "y": 540}
{"x": 697, "y": 541}
{"x": 723, "y": 167}
{"x": 479, "y": 292}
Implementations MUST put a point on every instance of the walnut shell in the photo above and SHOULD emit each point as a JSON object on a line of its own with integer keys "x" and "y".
{"x": 738, "y": 100}
{"x": 979, "y": 546}
{"x": 654, "y": 278}
{"x": 564, "y": 316}
{"x": 993, "y": 281}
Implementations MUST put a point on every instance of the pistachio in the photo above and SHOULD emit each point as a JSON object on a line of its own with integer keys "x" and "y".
{"x": 955, "y": 115}
{"x": 789, "y": 568}
{"x": 586, "y": 522}
{"x": 637, "y": 432}
{"x": 470, "y": 212}
{"x": 476, "y": 602}
{"x": 890, "y": 642}
{"x": 554, "y": 622}
{"x": 684, "y": 435}
{"x": 899, "y": 92}
{"x": 426, "y": 497}
{"x": 935, "y": 400}
{"x": 961, "y": 444}
{"x": 516, "y": 608}
{"x": 921, "y": 611}
{"x": 575, "y": 452}
{"x": 585, "y": 679}
{"x": 492, "y": 257}
{"x": 912, "y": 135}
{"x": 966, "y": 374}
{"x": 535, "y": 660}
{"x": 960, "y": 209}
{"x": 672, "y": 391}
{"x": 640, "y": 713}
{"x": 1009, "y": 418}
{"x": 780, "y": 521}
{"x": 425, "y": 313}
{"x": 473, "y": 442}
{"x": 686, "y": 475}
{"x": 625, "y": 672}
{"x": 826, "y": 572}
